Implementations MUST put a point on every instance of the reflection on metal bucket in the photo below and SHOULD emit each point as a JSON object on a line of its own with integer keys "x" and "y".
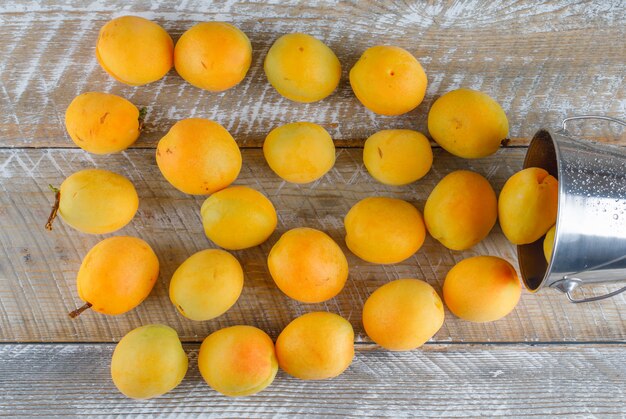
{"x": 590, "y": 239}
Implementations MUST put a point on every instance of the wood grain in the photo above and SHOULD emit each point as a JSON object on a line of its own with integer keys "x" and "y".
{"x": 541, "y": 61}
{"x": 438, "y": 381}
{"x": 38, "y": 268}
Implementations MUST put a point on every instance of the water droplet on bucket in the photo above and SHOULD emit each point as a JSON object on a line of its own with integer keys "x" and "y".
{"x": 615, "y": 216}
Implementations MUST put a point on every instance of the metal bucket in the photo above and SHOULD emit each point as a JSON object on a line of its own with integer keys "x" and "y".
{"x": 590, "y": 238}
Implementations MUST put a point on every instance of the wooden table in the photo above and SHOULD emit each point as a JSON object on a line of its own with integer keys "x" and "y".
{"x": 542, "y": 62}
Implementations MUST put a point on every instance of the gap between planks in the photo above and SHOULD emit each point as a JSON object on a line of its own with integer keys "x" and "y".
{"x": 339, "y": 145}
{"x": 370, "y": 346}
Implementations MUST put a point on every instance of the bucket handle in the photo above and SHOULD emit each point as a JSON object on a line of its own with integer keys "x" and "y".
{"x": 570, "y": 282}
{"x": 602, "y": 117}
{"x": 595, "y": 298}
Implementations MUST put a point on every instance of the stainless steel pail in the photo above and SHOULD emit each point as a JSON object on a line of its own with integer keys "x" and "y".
{"x": 590, "y": 238}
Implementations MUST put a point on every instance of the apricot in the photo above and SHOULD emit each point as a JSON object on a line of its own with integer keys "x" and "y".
{"x": 302, "y": 68}
{"x": 307, "y": 265}
{"x": 528, "y": 205}
{"x": 95, "y": 201}
{"x": 316, "y": 346}
{"x": 468, "y": 123}
{"x": 388, "y": 80}
{"x": 102, "y": 123}
{"x": 206, "y": 285}
{"x": 148, "y": 362}
{"x": 481, "y": 289}
{"x": 299, "y": 152}
{"x": 384, "y": 230}
{"x": 548, "y": 243}
{"x": 134, "y": 50}
{"x": 461, "y": 210}
{"x": 214, "y": 56}
{"x": 403, "y": 314}
{"x": 116, "y": 275}
{"x": 238, "y": 217}
{"x": 238, "y": 360}
{"x": 198, "y": 156}
{"x": 397, "y": 156}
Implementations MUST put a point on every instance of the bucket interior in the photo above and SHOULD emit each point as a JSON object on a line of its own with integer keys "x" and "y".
{"x": 532, "y": 262}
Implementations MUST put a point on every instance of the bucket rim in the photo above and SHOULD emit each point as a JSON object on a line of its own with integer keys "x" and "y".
{"x": 540, "y": 136}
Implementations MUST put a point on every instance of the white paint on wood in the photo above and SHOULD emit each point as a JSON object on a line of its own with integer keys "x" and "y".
{"x": 437, "y": 381}
{"x": 541, "y": 61}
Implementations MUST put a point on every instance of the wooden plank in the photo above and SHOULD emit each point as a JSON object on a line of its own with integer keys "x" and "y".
{"x": 38, "y": 268}
{"x": 439, "y": 381}
{"x": 542, "y": 61}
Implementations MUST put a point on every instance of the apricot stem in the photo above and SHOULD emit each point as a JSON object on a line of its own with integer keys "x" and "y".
{"x": 142, "y": 115}
{"x": 76, "y": 313}
{"x": 55, "y": 207}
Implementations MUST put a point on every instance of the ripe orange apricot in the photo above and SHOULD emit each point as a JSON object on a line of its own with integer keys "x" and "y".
{"x": 238, "y": 217}
{"x": 302, "y": 68}
{"x": 214, "y": 56}
{"x": 481, "y": 289}
{"x": 207, "y": 284}
{"x": 135, "y": 50}
{"x": 198, "y": 156}
{"x": 397, "y": 156}
{"x": 403, "y": 314}
{"x": 388, "y": 80}
{"x": 527, "y": 206}
{"x": 461, "y": 210}
{"x": 102, "y": 123}
{"x": 307, "y": 265}
{"x": 116, "y": 275}
{"x": 238, "y": 360}
{"x": 299, "y": 152}
{"x": 148, "y": 362}
{"x": 384, "y": 230}
{"x": 316, "y": 346}
{"x": 467, "y": 123}
{"x": 95, "y": 201}
{"x": 548, "y": 243}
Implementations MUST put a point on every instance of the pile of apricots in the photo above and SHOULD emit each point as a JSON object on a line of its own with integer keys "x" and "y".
{"x": 200, "y": 157}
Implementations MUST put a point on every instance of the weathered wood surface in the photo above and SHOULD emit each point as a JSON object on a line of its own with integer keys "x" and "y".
{"x": 37, "y": 276}
{"x": 437, "y": 381}
{"x": 541, "y": 61}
